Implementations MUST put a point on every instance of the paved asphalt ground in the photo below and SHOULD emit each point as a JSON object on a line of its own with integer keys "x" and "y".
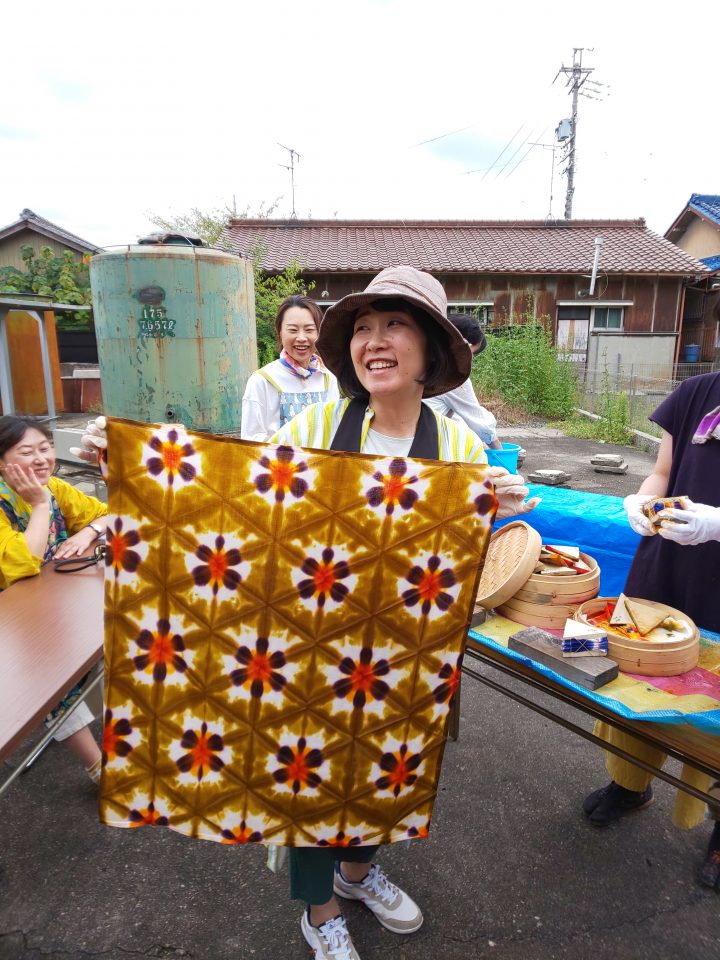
{"x": 512, "y": 871}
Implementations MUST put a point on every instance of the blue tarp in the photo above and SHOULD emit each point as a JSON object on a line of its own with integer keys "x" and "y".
{"x": 597, "y": 524}
{"x": 594, "y": 522}
{"x": 708, "y": 721}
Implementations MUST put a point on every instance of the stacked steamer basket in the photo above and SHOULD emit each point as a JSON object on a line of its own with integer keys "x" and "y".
{"x": 662, "y": 652}
{"x": 510, "y": 586}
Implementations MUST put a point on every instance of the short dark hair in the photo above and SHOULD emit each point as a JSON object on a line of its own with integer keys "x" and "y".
{"x": 438, "y": 349}
{"x": 297, "y": 300}
{"x": 469, "y": 327}
{"x": 13, "y": 429}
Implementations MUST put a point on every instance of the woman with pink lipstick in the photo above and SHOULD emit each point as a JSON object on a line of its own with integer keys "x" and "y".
{"x": 282, "y": 389}
{"x": 390, "y": 347}
{"x": 44, "y": 518}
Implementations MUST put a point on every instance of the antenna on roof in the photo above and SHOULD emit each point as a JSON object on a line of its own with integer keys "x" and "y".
{"x": 291, "y": 167}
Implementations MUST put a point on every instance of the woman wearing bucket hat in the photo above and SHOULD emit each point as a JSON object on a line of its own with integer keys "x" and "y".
{"x": 389, "y": 346}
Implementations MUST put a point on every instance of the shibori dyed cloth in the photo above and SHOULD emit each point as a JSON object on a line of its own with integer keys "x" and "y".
{"x": 283, "y": 636}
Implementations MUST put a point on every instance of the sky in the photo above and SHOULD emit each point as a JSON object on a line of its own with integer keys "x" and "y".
{"x": 112, "y": 112}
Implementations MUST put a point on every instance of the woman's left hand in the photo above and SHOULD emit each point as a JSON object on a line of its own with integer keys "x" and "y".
{"x": 76, "y": 546}
{"x": 511, "y": 492}
{"x": 698, "y": 523}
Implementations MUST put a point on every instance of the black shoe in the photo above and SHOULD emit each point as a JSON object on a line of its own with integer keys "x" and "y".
{"x": 710, "y": 872}
{"x": 612, "y": 802}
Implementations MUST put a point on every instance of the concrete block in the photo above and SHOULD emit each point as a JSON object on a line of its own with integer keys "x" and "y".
{"x": 550, "y": 477}
{"x": 539, "y": 645}
{"x": 607, "y": 460}
{"x": 623, "y": 468}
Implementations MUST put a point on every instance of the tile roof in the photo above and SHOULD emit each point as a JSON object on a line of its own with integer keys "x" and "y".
{"x": 712, "y": 263}
{"x": 707, "y": 205}
{"x": 28, "y": 218}
{"x": 462, "y": 246}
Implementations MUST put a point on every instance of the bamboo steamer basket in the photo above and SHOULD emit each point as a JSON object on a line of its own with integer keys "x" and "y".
{"x": 511, "y": 558}
{"x": 548, "y": 601}
{"x": 658, "y": 655}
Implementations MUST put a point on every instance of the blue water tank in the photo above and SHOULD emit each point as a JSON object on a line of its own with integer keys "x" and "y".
{"x": 175, "y": 330}
{"x": 692, "y": 353}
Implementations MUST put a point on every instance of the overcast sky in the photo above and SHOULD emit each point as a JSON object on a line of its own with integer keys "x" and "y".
{"x": 113, "y": 110}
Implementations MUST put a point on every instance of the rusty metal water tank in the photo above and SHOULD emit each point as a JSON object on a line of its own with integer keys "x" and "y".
{"x": 175, "y": 326}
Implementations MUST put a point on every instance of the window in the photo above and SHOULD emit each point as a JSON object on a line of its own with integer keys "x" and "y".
{"x": 483, "y": 312}
{"x": 607, "y": 318}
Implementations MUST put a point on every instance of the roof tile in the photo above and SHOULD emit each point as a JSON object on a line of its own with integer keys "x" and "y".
{"x": 629, "y": 247}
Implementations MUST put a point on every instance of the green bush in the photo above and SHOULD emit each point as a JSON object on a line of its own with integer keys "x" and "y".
{"x": 522, "y": 365}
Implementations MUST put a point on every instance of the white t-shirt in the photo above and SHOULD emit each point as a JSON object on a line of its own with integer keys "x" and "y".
{"x": 270, "y": 391}
{"x": 462, "y": 402}
{"x": 381, "y": 445}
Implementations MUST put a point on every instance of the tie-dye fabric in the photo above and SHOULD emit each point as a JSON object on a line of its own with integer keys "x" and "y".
{"x": 284, "y": 632}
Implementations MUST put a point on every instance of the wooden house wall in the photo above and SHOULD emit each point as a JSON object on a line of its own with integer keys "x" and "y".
{"x": 10, "y": 247}
{"x": 656, "y": 300}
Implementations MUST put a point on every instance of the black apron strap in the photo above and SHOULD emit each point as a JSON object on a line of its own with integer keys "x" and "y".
{"x": 349, "y": 432}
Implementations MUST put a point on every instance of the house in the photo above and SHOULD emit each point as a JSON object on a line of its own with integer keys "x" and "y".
{"x": 507, "y": 271}
{"x": 697, "y": 231}
{"x": 38, "y": 232}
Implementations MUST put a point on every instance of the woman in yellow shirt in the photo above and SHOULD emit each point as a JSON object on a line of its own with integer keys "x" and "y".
{"x": 43, "y": 518}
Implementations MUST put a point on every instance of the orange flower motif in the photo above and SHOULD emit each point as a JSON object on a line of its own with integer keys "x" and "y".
{"x": 430, "y": 586}
{"x": 322, "y": 578}
{"x": 259, "y": 669}
{"x": 362, "y": 678}
{"x": 398, "y": 766}
{"x": 113, "y": 737}
{"x": 170, "y": 458}
{"x": 450, "y": 676}
{"x": 119, "y": 553}
{"x": 163, "y": 652}
{"x": 203, "y": 748}
{"x": 281, "y": 477}
{"x": 241, "y": 834}
{"x": 147, "y": 817}
{"x": 297, "y": 766}
{"x": 340, "y": 840}
{"x": 394, "y": 488}
{"x": 216, "y": 567}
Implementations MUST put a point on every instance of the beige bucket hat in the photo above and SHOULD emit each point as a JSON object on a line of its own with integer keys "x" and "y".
{"x": 406, "y": 283}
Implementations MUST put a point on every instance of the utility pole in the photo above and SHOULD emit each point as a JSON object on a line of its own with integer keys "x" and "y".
{"x": 291, "y": 167}
{"x": 576, "y": 76}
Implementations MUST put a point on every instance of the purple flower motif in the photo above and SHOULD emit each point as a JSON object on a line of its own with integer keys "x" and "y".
{"x": 282, "y": 474}
{"x": 259, "y": 670}
{"x": 297, "y": 766}
{"x": 486, "y": 504}
{"x": 164, "y": 651}
{"x": 168, "y": 455}
{"x": 119, "y": 554}
{"x": 203, "y": 748}
{"x": 394, "y": 488}
{"x": 362, "y": 678}
{"x": 429, "y": 586}
{"x": 322, "y": 578}
{"x": 215, "y": 569}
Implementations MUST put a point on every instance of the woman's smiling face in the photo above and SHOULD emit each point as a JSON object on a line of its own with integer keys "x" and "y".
{"x": 34, "y": 451}
{"x": 298, "y": 334}
{"x": 388, "y": 351}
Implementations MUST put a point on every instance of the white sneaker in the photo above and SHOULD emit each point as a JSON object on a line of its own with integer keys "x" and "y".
{"x": 395, "y": 910}
{"x": 329, "y": 941}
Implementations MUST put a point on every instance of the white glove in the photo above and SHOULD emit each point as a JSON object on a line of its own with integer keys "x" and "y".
{"x": 511, "y": 491}
{"x": 636, "y": 518}
{"x": 93, "y": 440}
{"x": 699, "y": 523}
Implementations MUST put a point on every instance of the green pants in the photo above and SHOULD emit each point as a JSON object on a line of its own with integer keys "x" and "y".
{"x": 311, "y": 870}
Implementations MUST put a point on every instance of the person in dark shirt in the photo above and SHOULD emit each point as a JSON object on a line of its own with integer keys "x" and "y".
{"x": 677, "y": 564}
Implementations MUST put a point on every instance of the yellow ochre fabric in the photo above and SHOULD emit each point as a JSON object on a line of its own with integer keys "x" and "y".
{"x": 284, "y": 631}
